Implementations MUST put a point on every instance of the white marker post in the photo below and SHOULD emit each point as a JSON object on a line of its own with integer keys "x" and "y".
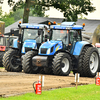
{"x": 77, "y": 78}
{"x": 42, "y": 81}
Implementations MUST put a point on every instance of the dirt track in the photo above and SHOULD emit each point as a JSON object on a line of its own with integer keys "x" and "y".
{"x": 12, "y": 83}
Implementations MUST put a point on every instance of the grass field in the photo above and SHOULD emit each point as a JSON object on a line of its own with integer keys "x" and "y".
{"x": 1, "y": 67}
{"x": 85, "y": 92}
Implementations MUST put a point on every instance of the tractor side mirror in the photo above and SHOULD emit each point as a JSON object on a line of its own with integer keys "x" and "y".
{"x": 46, "y": 36}
{"x": 39, "y": 32}
{"x": 75, "y": 34}
{"x": 12, "y": 31}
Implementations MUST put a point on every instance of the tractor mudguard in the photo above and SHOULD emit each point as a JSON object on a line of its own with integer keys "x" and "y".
{"x": 79, "y": 46}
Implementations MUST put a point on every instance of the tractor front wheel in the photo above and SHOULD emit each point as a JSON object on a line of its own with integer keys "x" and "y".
{"x": 1, "y": 57}
{"x": 27, "y": 63}
{"x": 11, "y": 60}
{"x": 62, "y": 64}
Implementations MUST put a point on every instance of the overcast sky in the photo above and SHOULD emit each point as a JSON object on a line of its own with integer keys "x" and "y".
{"x": 56, "y": 14}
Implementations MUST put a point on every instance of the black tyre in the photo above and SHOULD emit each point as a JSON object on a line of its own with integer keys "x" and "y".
{"x": 10, "y": 61}
{"x": 62, "y": 64}
{"x": 80, "y": 62}
{"x": 41, "y": 70}
{"x": 91, "y": 62}
{"x": 48, "y": 71}
{"x": 27, "y": 63}
{"x": 1, "y": 57}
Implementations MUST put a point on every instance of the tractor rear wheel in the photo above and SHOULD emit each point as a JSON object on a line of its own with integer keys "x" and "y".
{"x": 1, "y": 57}
{"x": 91, "y": 62}
{"x": 62, "y": 64}
{"x": 11, "y": 60}
{"x": 27, "y": 63}
{"x": 80, "y": 62}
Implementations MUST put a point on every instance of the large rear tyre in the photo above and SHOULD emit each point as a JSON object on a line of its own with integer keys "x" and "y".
{"x": 62, "y": 64}
{"x": 10, "y": 61}
{"x": 27, "y": 63}
{"x": 80, "y": 62}
{"x": 91, "y": 62}
{"x": 1, "y": 57}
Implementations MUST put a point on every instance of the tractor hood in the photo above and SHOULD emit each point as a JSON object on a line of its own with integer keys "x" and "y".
{"x": 49, "y": 44}
{"x": 50, "y": 47}
{"x": 29, "y": 45}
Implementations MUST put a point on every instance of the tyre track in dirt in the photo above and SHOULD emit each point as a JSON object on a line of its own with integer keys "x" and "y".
{"x": 15, "y": 83}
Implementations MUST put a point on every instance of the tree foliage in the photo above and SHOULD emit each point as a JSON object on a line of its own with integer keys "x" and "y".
{"x": 6, "y": 18}
{"x": 70, "y": 8}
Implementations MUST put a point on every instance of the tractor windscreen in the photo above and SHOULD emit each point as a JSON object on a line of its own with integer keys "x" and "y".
{"x": 60, "y": 35}
{"x": 31, "y": 34}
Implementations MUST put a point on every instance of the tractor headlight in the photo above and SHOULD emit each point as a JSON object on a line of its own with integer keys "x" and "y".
{"x": 23, "y": 49}
{"x": 48, "y": 51}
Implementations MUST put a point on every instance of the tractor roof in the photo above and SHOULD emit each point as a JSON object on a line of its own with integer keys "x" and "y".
{"x": 33, "y": 26}
{"x": 67, "y": 25}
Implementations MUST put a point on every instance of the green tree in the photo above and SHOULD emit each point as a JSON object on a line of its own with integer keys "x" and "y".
{"x": 70, "y": 8}
{"x": 0, "y": 11}
{"x": 17, "y": 15}
{"x": 35, "y": 10}
{"x": 6, "y": 18}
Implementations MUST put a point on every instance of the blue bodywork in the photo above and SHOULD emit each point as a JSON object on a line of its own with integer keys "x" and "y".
{"x": 15, "y": 43}
{"x": 29, "y": 44}
{"x": 75, "y": 27}
{"x": 78, "y": 47}
{"x": 50, "y": 47}
{"x": 57, "y": 45}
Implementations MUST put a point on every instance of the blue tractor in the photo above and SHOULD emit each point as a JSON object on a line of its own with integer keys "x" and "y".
{"x": 30, "y": 38}
{"x": 65, "y": 52}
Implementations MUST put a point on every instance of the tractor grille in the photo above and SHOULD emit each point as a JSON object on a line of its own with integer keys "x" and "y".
{"x": 43, "y": 50}
{"x": 27, "y": 49}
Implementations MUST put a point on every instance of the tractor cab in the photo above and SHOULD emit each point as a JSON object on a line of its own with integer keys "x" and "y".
{"x": 6, "y": 42}
{"x": 32, "y": 36}
{"x": 3, "y": 42}
{"x": 62, "y": 37}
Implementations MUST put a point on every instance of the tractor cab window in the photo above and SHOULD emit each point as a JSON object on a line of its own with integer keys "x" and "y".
{"x": 11, "y": 39}
{"x": 7, "y": 41}
{"x": 31, "y": 34}
{"x": 60, "y": 35}
{"x": 74, "y": 36}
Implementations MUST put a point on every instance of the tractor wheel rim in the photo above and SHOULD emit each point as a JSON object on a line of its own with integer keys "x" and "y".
{"x": 65, "y": 68}
{"x": 94, "y": 62}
